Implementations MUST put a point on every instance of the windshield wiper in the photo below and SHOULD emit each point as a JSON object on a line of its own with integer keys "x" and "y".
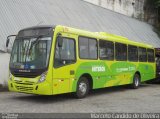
{"x": 29, "y": 49}
{"x": 34, "y": 43}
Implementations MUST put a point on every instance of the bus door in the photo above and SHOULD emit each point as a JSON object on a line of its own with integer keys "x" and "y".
{"x": 64, "y": 63}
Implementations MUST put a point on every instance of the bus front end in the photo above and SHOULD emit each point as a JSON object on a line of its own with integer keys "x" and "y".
{"x": 29, "y": 61}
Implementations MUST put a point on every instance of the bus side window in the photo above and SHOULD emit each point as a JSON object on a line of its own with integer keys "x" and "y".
{"x": 93, "y": 49}
{"x": 87, "y": 48}
{"x": 142, "y": 54}
{"x": 106, "y": 50}
{"x": 121, "y": 51}
{"x": 66, "y": 54}
{"x": 132, "y": 53}
{"x": 83, "y": 48}
{"x": 151, "y": 57}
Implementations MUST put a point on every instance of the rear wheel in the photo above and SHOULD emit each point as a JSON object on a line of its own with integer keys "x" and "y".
{"x": 136, "y": 81}
{"x": 82, "y": 87}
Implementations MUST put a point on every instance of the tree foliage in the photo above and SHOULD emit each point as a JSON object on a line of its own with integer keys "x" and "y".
{"x": 153, "y": 3}
{"x": 157, "y": 3}
{"x": 152, "y": 7}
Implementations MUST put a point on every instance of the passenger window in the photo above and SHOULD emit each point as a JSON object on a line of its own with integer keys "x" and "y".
{"x": 66, "y": 54}
{"x": 121, "y": 52}
{"x": 92, "y": 49}
{"x": 142, "y": 54}
{"x": 151, "y": 57}
{"x": 87, "y": 48}
{"x": 83, "y": 48}
{"x": 132, "y": 53}
{"x": 106, "y": 50}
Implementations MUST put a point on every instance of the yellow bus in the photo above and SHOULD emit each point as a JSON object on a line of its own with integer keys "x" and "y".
{"x": 50, "y": 60}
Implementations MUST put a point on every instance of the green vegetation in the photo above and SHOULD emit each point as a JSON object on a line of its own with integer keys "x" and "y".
{"x": 157, "y": 5}
{"x": 152, "y": 11}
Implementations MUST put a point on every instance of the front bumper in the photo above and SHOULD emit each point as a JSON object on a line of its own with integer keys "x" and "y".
{"x": 40, "y": 88}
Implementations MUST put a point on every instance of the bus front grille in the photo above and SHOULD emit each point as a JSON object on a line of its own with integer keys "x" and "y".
{"x": 24, "y": 83}
{"x": 24, "y": 88}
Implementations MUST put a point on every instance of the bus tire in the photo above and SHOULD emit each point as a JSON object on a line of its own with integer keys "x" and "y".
{"x": 82, "y": 88}
{"x": 136, "y": 81}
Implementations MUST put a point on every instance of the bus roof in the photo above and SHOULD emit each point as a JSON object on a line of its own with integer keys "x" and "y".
{"x": 39, "y": 26}
{"x": 103, "y": 35}
{"x": 98, "y": 35}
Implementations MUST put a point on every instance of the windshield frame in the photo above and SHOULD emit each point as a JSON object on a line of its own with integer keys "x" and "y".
{"x": 36, "y": 71}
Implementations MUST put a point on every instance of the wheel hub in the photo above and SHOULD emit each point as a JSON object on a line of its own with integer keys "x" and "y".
{"x": 82, "y": 88}
{"x": 136, "y": 81}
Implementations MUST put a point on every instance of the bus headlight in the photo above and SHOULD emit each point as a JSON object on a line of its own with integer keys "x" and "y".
{"x": 42, "y": 78}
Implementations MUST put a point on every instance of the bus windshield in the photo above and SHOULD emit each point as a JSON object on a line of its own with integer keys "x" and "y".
{"x": 31, "y": 53}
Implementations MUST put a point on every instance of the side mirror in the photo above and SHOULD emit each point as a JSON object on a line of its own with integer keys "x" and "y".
{"x": 9, "y": 43}
{"x": 60, "y": 41}
{"x": 8, "y": 40}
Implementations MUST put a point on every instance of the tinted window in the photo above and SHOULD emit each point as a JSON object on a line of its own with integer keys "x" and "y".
{"x": 66, "y": 54}
{"x": 142, "y": 54}
{"x": 106, "y": 50}
{"x": 83, "y": 48}
{"x": 150, "y": 55}
{"x": 121, "y": 52}
{"x": 132, "y": 53}
{"x": 87, "y": 48}
{"x": 92, "y": 49}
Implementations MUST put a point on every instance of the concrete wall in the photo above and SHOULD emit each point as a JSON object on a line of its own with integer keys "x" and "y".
{"x": 133, "y": 8}
{"x": 4, "y": 61}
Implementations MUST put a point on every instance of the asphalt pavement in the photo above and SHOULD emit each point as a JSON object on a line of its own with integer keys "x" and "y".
{"x": 146, "y": 99}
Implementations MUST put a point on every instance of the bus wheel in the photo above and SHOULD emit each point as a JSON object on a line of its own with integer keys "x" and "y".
{"x": 136, "y": 81}
{"x": 82, "y": 87}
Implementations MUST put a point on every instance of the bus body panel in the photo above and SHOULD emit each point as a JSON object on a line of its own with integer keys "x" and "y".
{"x": 111, "y": 73}
{"x": 64, "y": 76}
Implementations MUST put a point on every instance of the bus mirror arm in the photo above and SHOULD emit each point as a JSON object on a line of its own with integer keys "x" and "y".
{"x": 8, "y": 40}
